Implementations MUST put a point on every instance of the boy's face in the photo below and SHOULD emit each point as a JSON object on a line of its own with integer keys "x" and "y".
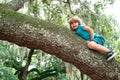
{"x": 74, "y": 25}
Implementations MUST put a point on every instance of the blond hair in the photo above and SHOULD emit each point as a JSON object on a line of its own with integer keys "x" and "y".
{"x": 75, "y": 19}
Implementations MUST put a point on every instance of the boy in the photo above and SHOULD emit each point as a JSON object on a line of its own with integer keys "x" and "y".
{"x": 94, "y": 41}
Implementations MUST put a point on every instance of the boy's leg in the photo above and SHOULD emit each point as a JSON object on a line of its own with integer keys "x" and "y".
{"x": 93, "y": 45}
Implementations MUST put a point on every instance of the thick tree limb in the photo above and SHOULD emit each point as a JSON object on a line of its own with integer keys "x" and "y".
{"x": 55, "y": 40}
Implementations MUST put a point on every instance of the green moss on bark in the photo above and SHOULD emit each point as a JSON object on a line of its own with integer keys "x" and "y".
{"x": 19, "y": 19}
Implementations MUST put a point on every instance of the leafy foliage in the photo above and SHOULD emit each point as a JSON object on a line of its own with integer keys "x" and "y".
{"x": 6, "y": 73}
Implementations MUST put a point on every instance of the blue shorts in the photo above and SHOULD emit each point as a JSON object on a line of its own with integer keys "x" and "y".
{"x": 99, "y": 40}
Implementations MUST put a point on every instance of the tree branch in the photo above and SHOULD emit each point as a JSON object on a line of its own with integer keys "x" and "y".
{"x": 25, "y": 71}
{"x": 68, "y": 1}
{"x": 55, "y": 40}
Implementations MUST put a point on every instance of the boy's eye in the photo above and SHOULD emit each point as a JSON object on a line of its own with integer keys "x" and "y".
{"x": 71, "y": 22}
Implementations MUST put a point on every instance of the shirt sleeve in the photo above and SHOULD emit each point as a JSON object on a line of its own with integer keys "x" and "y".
{"x": 81, "y": 26}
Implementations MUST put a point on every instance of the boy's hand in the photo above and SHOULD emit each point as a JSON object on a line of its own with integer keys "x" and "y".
{"x": 91, "y": 40}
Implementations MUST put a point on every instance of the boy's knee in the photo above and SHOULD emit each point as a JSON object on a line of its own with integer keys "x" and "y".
{"x": 90, "y": 45}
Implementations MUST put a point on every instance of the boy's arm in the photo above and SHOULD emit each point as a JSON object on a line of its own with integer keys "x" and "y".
{"x": 87, "y": 28}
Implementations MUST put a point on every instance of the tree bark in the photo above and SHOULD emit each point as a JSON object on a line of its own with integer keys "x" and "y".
{"x": 34, "y": 33}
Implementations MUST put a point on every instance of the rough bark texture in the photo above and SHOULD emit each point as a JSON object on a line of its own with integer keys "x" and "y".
{"x": 51, "y": 38}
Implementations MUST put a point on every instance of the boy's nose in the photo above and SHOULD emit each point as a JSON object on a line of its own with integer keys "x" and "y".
{"x": 73, "y": 24}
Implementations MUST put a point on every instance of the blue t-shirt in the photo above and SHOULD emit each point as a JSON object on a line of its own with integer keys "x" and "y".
{"x": 86, "y": 35}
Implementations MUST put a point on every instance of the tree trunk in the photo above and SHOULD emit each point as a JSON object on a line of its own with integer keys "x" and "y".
{"x": 25, "y": 70}
{"x": 33, "y": 33}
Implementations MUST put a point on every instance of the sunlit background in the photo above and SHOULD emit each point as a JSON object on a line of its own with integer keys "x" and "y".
{"x": 114, "y": 10}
